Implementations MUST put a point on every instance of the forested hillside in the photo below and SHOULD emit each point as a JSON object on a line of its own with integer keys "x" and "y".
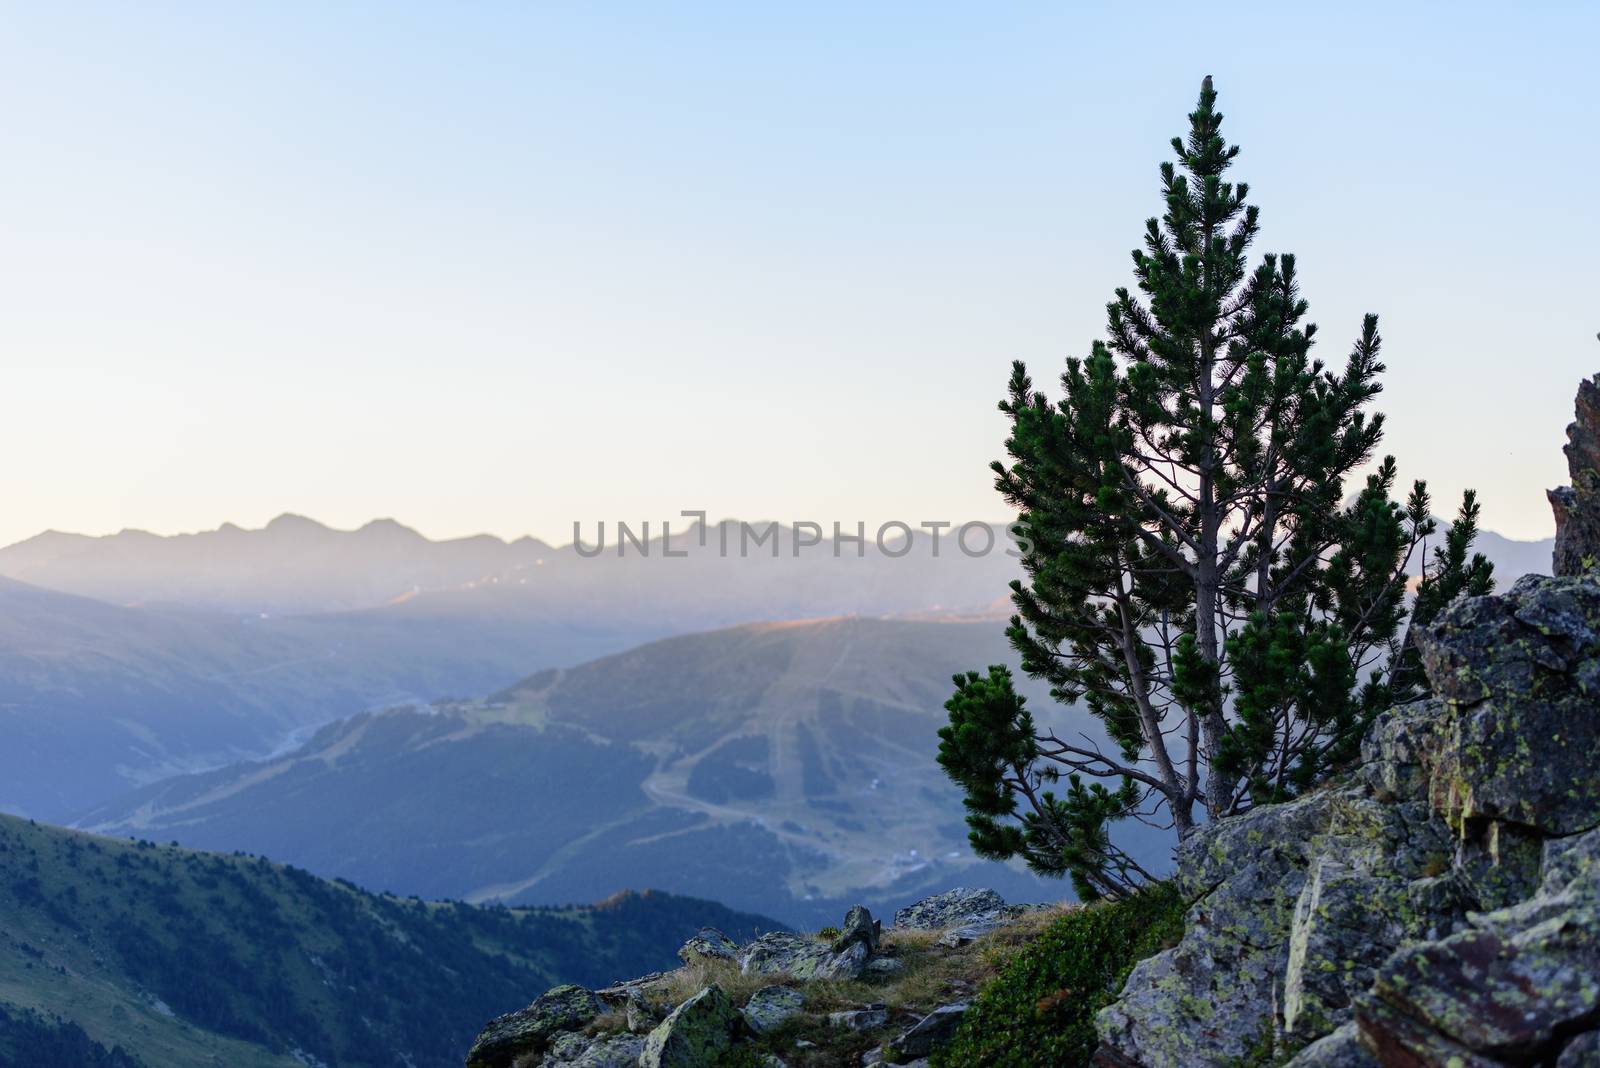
{"x": 185, "y": 958}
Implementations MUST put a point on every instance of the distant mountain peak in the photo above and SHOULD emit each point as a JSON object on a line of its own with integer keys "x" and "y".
{"x": 292, "y": 521}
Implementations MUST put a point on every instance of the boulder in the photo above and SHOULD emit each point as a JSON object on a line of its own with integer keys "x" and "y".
{"x": 1430, "y": 909}
{"x": 1209, "y": 999}
{"x": 1516, "y": 986}
{"x": 953, "y": 908}
{"x": 779, "y": 953}
{"x": 934, "y": 1029}
{"x": 771, "y": 1007}
{"x": 1577, "y": 507}
{"x": 884, "y": 966}
{"x": 708, "y": 942}
{"x": 859, "y": 926}
{"x": 530, "y": 1030}
{"x": 608, "y": 1051}
{"x": 694, "y": 1034}
{"x": 1520, "y": 675}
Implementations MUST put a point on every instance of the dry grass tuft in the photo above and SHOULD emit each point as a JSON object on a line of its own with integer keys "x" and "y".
{"x": 689, "y": 980}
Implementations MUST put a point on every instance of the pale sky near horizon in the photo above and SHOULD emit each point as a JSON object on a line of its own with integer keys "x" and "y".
{"x": 499, "y": 267}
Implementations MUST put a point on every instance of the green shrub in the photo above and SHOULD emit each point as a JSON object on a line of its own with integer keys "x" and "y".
{"x": 743, "y": 1056}
{"x": 1039, "y": 1011}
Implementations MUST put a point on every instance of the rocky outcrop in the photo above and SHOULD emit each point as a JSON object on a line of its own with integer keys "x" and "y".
{"x": 1437, "y": 908}
{"x": 802, "y": 958}
{"x": 647, "y": 1026}
{"x": 693, "y": 1034}
{"x": 954, "y": 908}
{"x": 529, "y": 1030}
{"x": 1577, "y": 507}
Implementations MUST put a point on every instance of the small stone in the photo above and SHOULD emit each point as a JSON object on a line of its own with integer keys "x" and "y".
{"x": 859, "y": 926}
{"x": 869, "y": 1018}
{"x": 884, "y": 966}
{"x": 1341, "y": 1049}
{"x": 771, "y": 1007}
{"x": 708, "y": 942}
{"x": 934, "y": 1029}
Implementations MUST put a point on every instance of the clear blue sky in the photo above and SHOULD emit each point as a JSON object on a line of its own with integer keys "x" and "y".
{"x": 497, "y": 266}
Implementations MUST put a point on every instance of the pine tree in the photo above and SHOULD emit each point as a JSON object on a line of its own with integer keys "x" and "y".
{"x": 1194, "y": 577}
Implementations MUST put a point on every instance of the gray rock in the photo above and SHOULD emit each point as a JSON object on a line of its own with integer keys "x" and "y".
{"x": 1520, "y": 673}
{"x": 1341, "y": 1049}
{"x": 771, "y": 1007}
{"x": 1208, "y": 1000}
{"x": 859, "y": 926}
{"x": 642, "y": 1017}
{"x": 567, "y": 1046}
{"x": 801, "y": 958}
{"x": 1581, "y": 1052}
{"x": 529, "y": 1030}
{"x": 1577, "y": 507}
{"x": 1441, "y": 907}
{"x": 610, "y": 1051}
{"x": 953, "y": 908}
{"x": 708, "y": 942}
{"x": 1521, "y": 979}
{"x": 694, "y": 1034}
{"x": 971, "y": 932}
{"x": 934, "y": 1029}
{"x": 869, "y": 1018}
{"x": 882, "y": 966}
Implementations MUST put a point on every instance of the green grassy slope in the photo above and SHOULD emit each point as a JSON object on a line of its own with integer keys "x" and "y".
{"x": 183, "y": 958}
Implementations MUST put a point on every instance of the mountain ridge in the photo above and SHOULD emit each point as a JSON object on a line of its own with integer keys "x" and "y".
{"x": 187, "y": 959}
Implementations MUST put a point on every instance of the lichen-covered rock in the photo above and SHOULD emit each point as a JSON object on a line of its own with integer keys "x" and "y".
{"x": 1210, "y": 999}
{"x": 869, "y": 1018}
{"x": 1581, "y": 1052}
{"x": 934, "y": 1029}
{"x": 1577, "y": 507}
{"x": 1300, "y": 908}
{"x": 694, "y": 1034}
{"x": 953, "y": 908}
{"x": 529, "y": 1030}
{"x": 1340, "y": 1049}
{"x": 779, "y": 953}
{"x": 710, "y": 943}
{"x": 607, "y": 1051}
{"x": 1516, "y": 986}
{"x": 1520, "y": 673}
{"x": 859, "y": 926}
{"x": 771, "y": 1007}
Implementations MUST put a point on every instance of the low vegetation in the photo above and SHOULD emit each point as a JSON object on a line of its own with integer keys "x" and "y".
{"x": 1038, "y": 1012}
{"x": 1008, "y": 974}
